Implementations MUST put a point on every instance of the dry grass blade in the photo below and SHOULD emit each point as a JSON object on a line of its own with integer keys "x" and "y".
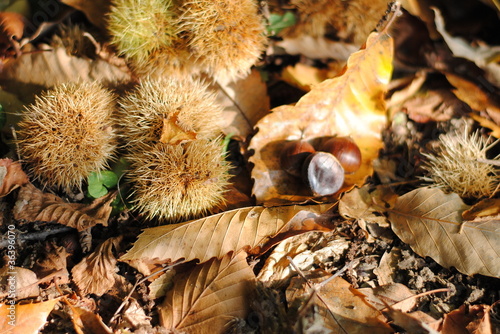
{"x": 430, "y": 222}
{"x": 251, "y": 229}
{"x": 209, "y": 296}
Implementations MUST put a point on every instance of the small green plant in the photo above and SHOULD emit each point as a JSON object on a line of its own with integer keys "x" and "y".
{"x": 278, "y": 22}
{"x": 100, "y": 183}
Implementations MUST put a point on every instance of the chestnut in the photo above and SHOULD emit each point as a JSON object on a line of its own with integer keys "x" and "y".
{"x": 323, "y": 173}
{"x": 345, "y": 150}
{"x": 293, "y": 155}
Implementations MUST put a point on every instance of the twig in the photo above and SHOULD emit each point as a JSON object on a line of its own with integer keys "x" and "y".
{"x": 41, "y": 235}
{"x": 118, "y": 310}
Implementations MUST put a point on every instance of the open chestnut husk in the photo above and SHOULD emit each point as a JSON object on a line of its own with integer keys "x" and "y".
{"x": 293, "y": 155}
{"x": 323, "y": 173}
{"x": 346, "y": 151}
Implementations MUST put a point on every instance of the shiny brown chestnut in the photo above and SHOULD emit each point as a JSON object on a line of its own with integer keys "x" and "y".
{"x": 323, "y": 173}
{"x": 346, "y": 151}
{"x": 293, "y": 155}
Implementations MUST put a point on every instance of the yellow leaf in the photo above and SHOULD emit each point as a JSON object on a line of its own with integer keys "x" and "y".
{"x": 26, "y": 318}
{"x": 351, "y": 104}
{"x": 173, "y": 134}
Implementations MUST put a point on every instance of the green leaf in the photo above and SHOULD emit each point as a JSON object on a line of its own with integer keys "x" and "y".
{"x": 279, "y": 22}
{"x": 108, "y": 179}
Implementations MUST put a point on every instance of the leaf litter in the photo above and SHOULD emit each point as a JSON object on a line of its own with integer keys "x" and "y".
{"x": 273, "y": 258}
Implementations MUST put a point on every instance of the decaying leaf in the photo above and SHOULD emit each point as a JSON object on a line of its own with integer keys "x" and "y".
{"x": 27, "y": 318}
{"x": 349, "y": 105}
{"x": 430, "y": 221}
{"x": 488, "y": 208}
{"x": 24, "y": 285}
{"x": 306, "y": 251}
{"x": 173, "y": 134}
{"x": 85, "y": 321}
{"x": 95, "y": 11}
{"x": 34, "y": 205}
{"x": 60, "y": 67}
{"x": 253, "y": 229}
{"x": 52, "y": 259}
{"x": 208, "y": 297}
{"x": 342, "y": 310}
{"x": 397, "y": 295}
{"x": 244, "y": 101}
{"x": 11, "y": 176}
{"x": 96, "y": 272}
{"x": 11, "y": 32}
{"x": 417, "y": 322}
{"x": 468, "y": 319}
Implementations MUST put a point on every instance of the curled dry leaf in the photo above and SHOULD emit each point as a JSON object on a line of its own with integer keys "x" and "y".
{"x": 34, "y": 205}
{"x": 430, "y": 221}
{"x": 342, "y": 309}
{"x": 245, "y": 101}
{"x": 415, "y": 322}
{"x": 253, "y": 229}
{"x": 397, "y": 295}
{"x": 28, "y": 318}
{"x": 59, "y": 67}
{"x": 96, "y": 272}
{"x": 349, "y": 105}
{"x": 11, "y": 32}
{"x": 11, "y": 176}
{"x": 208, "y": 297}
{"x": 85, "y": 321}
{"x": 95, "y": 11}
{"x": 468, "y": 319}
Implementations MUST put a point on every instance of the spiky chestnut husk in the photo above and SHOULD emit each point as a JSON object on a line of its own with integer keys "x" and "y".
{"x": 226, "y": 37}
{"x": 459, "y": 165}
{"x": 144, "y": 110}
{"x": 67, "y": 133}
{"x": 139, "y": 28}
{"x": 174, "y": 182}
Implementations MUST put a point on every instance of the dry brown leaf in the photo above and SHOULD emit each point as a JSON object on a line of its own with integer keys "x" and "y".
{"x": 96, "y": 272}
{"x": 85, "y": 321}
{"x": 388, "y": 266}
{"x": 349, "y": 105}
{"x": 95, "y": 11}
{"x": 11, "y": 176}
{"x": 24, "y": 286}
{"x": 397, "y": 295}
{"x": 253, "y": 229}
{"x": 244, "y": 101}
{"x": 488, "y": 208}
{"x": 317, "y": 48}
{"x": 304, "y": 76}
{"x": 468, "y": 319}
{"x": 52, "y": 259}
{"x": 34, "y": 205}
{"x": 11, "y": 32}
{"x": 359, "y": 203}
{"x": 306, "y": 251}
{"x": 342, "y": 310}
{"x": 173, "y": 134}
{"x": 207, "y": 298}
{"x": 416, "y": 323}
{"x": 27, "y": 318}
{"x": 430, "y": 221}
{"x": 59, "y": 67}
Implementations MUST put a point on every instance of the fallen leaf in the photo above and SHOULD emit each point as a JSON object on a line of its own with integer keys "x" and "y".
{"x": 317, "y": 47}
{"x": 173, "y": 134}
{"x": 397, "y": 295}
{"x": 95, "y": 11}
{"x": 416, "y": 323}
{"x": 11, "y": 176}
{"x": 342, "y": 310}
{"x": 469, "y": 319}
{"x": 134, "y": 316}
{"x": 96, "y": 272}
{"x": 34, "y": 205}
{"x": 26, "y": 318}
{"x": 245, "y": 102}
{"x": 488, "y": 208}
{"x": 482, "y": 55}
{"x": 430, "y": 221}
{"x": 208, "y": 297}
{"x": 303, "y": 76}
{"x": 387, "y": 268}
{"x": 306, "y": 251}
{"x": 85, "y": 321}
{"x": 19, "y": 283}
{"x": 52, "y": 259}
{"x": 349, "y": 105}
{"x": 253, "y": 229}
{"x": 59, "y": 67}
{"x": 11, "y": 32}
